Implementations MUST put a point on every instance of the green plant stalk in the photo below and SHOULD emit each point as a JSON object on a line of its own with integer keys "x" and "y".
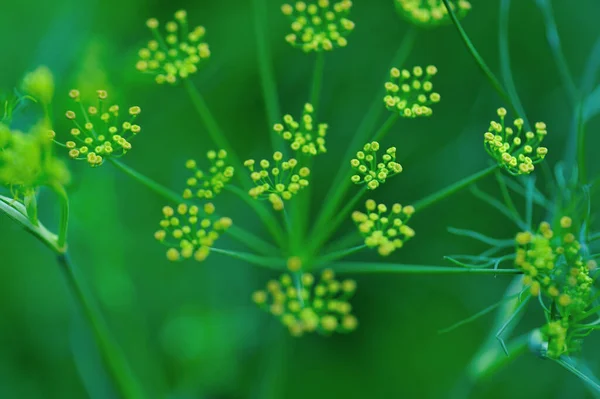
{"x": 330, "y": 257}
{"x": 30, "y": 201}
{"x": 317, "y": 81}
{"x": 379, "y": 267}
{"x": 581, "y": 162}
{"x": 452, "y": 189}
{"x": 594, "y": 237}
{"x": 241, "y": 235}
{"x": 262, "y": 261}
{"x": 111, "y": 354}
{"x": 341, "y": 182}
{"x": 265, "y": 67}
{"x": 335, "y": 198}
{"x": 481, "y": 63}
{"x": 63, "y": 224}
{"x": 571, "y": 366}
{"x": 320, "y": 237}
{"x": 505, "y": 69}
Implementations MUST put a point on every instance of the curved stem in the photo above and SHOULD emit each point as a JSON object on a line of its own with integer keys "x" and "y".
{"x": 111, "y": 354}
{"x": 378, "y": 267}
{"x": 330, "y": 257}
{"x": 452, "y": 189}
{"x": 270, "y": 263}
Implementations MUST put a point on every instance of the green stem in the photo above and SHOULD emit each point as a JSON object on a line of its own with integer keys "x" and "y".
{"x": 378, "y": 267}
{"x": 30, "y": 201}
{"x": 330, "y": 257}
{"x": 251, "y": 241}
{"x": 594, "y": 237}
{"x": 452, "y": 189}
{"x": 479, "y": 60}
{"x": 267, "y": 74}
{"x": 271, "y": 263}
{"x": 581, "y": 163}
{"x": 317, "y": 81}
{"x": 63, "y": 225}
{"x": 112, "y": 356}
{"x": 571, "y": 366}
{"x": 336, "y": 197}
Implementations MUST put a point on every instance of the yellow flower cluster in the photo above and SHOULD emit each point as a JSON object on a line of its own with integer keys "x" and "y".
{"x": 190, "y": 231}
{"x": 319, "y": 25}
{"x": 410, "y": 93}
{"x": 554, "y": 266}
{"x": 383, "y": 228}
{"x": 304, "y": 137}
{"x": 515, "y": 153}
{"x": 431, "y": 12}
{"x": 277, "y": 182}
{"x": 208, "y": 185}
{"x": 176, "y": 55}
{"x": 97, "y": 132}
{"x": 370, "y": 170}
{"x": 305, "y": 305}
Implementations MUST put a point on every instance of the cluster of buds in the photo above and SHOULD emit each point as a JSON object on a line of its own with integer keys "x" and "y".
{"x": 431, "y": 12}
{"x": 176, "y": 55}
{"x": 26, "y": 161}
{"x": 515, "y": 153}
{"x": 554, "y": 267}
{"x": 304, "y": 137}
{"x": 319, "y": 26}
{"x": 305, "y": 305}
{"x": 383, "y": 228}
{"x": 370, "y": 170}
{"x": 190, "y": 231}
{"x": 97, "y": 132}
{"x": 207, "y": 185}
{"x": 410, "y": 93}
{"x": 279, "y": 181}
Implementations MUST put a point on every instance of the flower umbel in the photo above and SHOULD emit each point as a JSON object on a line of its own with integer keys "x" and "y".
{"x": 319, "y": 25}
{"x": 208, "y": 185}
{"x": 411, "y": 93}
{"x": 97, "y": 132}
{"x": 370, "y": 170}
{"x": 303, "y": 136}
{"x": 190, "y": 231}
{"x": 515, "y": 153}
{"x": 430, "y": 12}
{"x": 305, "y": 305}
{"x": 176, "y": 55}
{"x": 383, "y": 228}
{"x": 277, "y": 182}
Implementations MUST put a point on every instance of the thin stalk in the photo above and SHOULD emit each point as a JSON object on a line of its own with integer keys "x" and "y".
{"x": 265, "y": 67}
{"x": 112, "y": 356}
{"x": 341, "y": 182}
{"x": 571, "y": 366}
{"x": 317, "y": 81}
{"x": 506, "y": 195}
{"x": 581, "y": 162}
{"x": 505, "y": 69}
{"x": 336, "y": 197}
{"x": 377, "y": 267}
{"x": 63, "y": 224}
{"x": 251, "y": 241}
{"x": 262, "y": 261}
{"x": 452, "y": 189}
{"x": 30, "y": 201}
{"x": 594, "y": 237}
{"x": 330, "y": 257}
{"x": 479, "y": 60}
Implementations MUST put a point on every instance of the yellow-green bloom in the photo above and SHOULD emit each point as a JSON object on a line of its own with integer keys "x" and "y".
{"x": 39, "y": 84}
{"x": 190, "y": 231}
{"x": 515, "y": 150}
{"x": 410, "y": 93}
{"x": 277, "y": 180}
{"x": 208, "y": 184}
{"x": 98, "y": 132}
{"x": 176, "y": 55}
{"x": 383, "y": 228}
{"x": 304, "y": 304}
{"x": 305, "y": 137}
{"x": 373, "y": 171}
{"x": 319, "y": 25}
{"x": 428, "y": 13}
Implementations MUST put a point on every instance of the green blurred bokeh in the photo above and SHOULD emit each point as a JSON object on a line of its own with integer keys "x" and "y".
{"x": 189, "y": 329}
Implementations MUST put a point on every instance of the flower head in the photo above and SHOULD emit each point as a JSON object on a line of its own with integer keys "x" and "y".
{"x": 410, "y": 93}
{"x": 39, "y": 84}
{"x": 319, "y": 25}
{"x": 306, "y": 138}
{"x": 305, "y": 305}
{"x": 515, "y": 151}
{"x": 176, "y": 55}
{"x": 383, "y": 228}
{"x": 277, "y": 180}
{"x": 190, "y": 231}
{"x": 431, "y": 12}
{"x": 97, "y": 131}
{"x": 207, "y": 185}
{"x": 372, "y": 171}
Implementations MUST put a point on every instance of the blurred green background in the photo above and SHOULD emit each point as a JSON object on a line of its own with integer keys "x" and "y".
{"x": 189, "y": 329}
